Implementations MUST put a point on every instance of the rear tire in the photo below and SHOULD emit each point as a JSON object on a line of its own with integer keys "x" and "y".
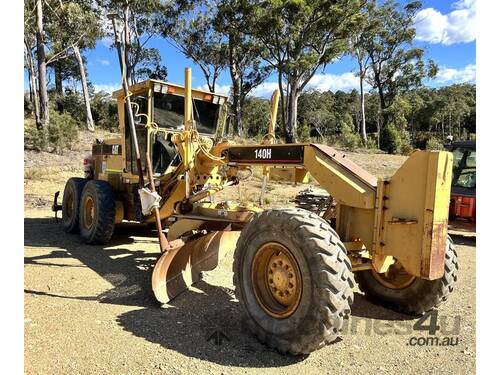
{"x": 420, "y": 295}
{"x": 309, "y": 315}
{"x": 97, "y": 212}
{"x": 71, "y": 204}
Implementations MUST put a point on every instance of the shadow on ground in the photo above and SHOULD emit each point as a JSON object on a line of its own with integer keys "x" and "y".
{"x": 466, "y": 240}
{"x": 204, "y": 322}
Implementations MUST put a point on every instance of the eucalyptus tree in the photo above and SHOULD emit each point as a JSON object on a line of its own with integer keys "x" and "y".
{"x": 395, "y": 64}
{"x": 357, "y": 42}
{"x": 75, "y": 27}
{"x": 300, "y": 37}
{"x": 139, "y": 21}
{"x": 30, "y": 28}
{"x": 189, "y": 26}
{"x": 243, "y": 54}
{"x": 42, "y": 71}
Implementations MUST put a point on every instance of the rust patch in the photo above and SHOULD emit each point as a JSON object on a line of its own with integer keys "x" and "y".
{"x": 433, "y": 263}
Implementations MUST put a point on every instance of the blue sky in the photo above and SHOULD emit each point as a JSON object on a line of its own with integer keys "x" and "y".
{"x": 446, "y": 29}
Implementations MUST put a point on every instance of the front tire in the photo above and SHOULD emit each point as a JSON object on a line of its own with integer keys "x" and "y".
{"x": 71, "y": 204}
{"x": 294, "y": 280}
{"x": 407, "y": 294}
{"x": 97, "y": 212}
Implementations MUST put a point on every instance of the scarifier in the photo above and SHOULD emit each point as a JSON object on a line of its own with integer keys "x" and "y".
{"x": 294, "y": 271}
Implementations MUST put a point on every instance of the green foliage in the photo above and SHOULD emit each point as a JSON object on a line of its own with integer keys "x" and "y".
{"x": 298, "y": 38}
{"x": 349, "y": 140}
{"x": 62, "y": 133}
{"x": 28, "y": 107}
{"x": 103, "y": 107}
{"x": 303, "y": 132}
{"x": 326, "y": 114}
{"x": 243, "y": 51}
{"x": 395, "y": 65}
{"x": 371, "y": 143}
{"x": 406, "y": 146}
{"x": 256, "y": 116}
{"x": 70, "y": 102}
{"x": 144, "y": 20}
{"x": 31, "y": 135}
{"x": 104, "y": 111}
{"x": 195, "y": 35}
{"x": 434, "y": 143}
{"x": 390, "y": 140}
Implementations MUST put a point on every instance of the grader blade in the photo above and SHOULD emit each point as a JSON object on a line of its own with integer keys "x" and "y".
{"x": 179, "y": 268}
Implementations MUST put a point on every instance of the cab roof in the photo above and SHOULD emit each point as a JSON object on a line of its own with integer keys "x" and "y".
{"x": 170, "y": 88}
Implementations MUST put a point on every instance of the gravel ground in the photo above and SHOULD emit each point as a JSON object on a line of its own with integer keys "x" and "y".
{"x": 89, "y": 309}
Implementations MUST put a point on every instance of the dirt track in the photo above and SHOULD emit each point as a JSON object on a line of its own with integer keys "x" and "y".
{"x": 89, "y": 309}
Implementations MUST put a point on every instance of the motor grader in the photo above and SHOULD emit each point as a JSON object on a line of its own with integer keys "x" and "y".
{"x": 294, "y": 271}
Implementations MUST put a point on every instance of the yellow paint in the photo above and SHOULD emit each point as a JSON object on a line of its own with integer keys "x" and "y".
{"x": 403, "y": 218}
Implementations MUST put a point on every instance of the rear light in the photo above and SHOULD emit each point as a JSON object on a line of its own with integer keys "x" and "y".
{"x": 87, "y": 167}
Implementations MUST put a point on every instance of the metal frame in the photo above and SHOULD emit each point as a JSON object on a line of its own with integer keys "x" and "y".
{"x": 403, "y": 217}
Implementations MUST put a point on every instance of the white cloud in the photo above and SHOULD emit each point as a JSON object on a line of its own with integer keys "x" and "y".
{"x": 333, "y": 82}
{"x": 219, "y": 89}
{"x": 103, "y": 62}
{"x": 107, "y": 87}
{"x": 321, "y": 82}
{"x": 264, "y": 90}
{"x": 451, "y": 75}
{"x": 458, "y": 26}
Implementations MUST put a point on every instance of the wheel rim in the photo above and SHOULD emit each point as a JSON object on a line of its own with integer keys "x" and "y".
{"x": 395, "y": 277}
{"x": 276, "y": 280}
{"x": 88, "y": 212}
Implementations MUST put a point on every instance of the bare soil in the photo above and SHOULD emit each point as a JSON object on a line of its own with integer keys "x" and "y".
{"x": 90, "y": 309}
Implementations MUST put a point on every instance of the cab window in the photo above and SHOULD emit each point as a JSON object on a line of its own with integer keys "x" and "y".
{"x": 168, "y": 112}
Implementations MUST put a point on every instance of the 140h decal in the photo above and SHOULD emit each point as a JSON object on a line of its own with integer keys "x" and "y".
{"x": 263, "y": 153}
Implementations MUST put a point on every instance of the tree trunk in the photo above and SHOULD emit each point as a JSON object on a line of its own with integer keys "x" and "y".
{"x": 236, "y": 80}
{"x": 362, "y": 110}
{"x": 59, "y": 87}
{"x": 379, "y": 125}
{"x": 291, "y": 124}
{"x": 126, "y": 34}
{"x": 85, "y": 90}
{"x": 236, "y": 107}
{"x": 58, "y": 77}
{"x": 382, "y": 103}
{"x": 35, "y": 101}
{"x": 383, "y": 116}
{"x": 449, "y": 124}
{"x": 282, "y": 100}
{"x": 42, "y": 73}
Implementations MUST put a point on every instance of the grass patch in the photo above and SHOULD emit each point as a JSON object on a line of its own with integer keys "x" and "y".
{"x": 35, "y": 174}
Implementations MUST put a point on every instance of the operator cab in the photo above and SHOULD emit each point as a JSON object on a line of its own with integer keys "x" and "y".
{"x": 463, "y": 184}
{"x": 464, "y": 168}
{"x": 161, "y": 105}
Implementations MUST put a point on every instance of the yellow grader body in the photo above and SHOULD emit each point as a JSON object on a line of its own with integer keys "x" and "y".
{"x": 391, "y": 233}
